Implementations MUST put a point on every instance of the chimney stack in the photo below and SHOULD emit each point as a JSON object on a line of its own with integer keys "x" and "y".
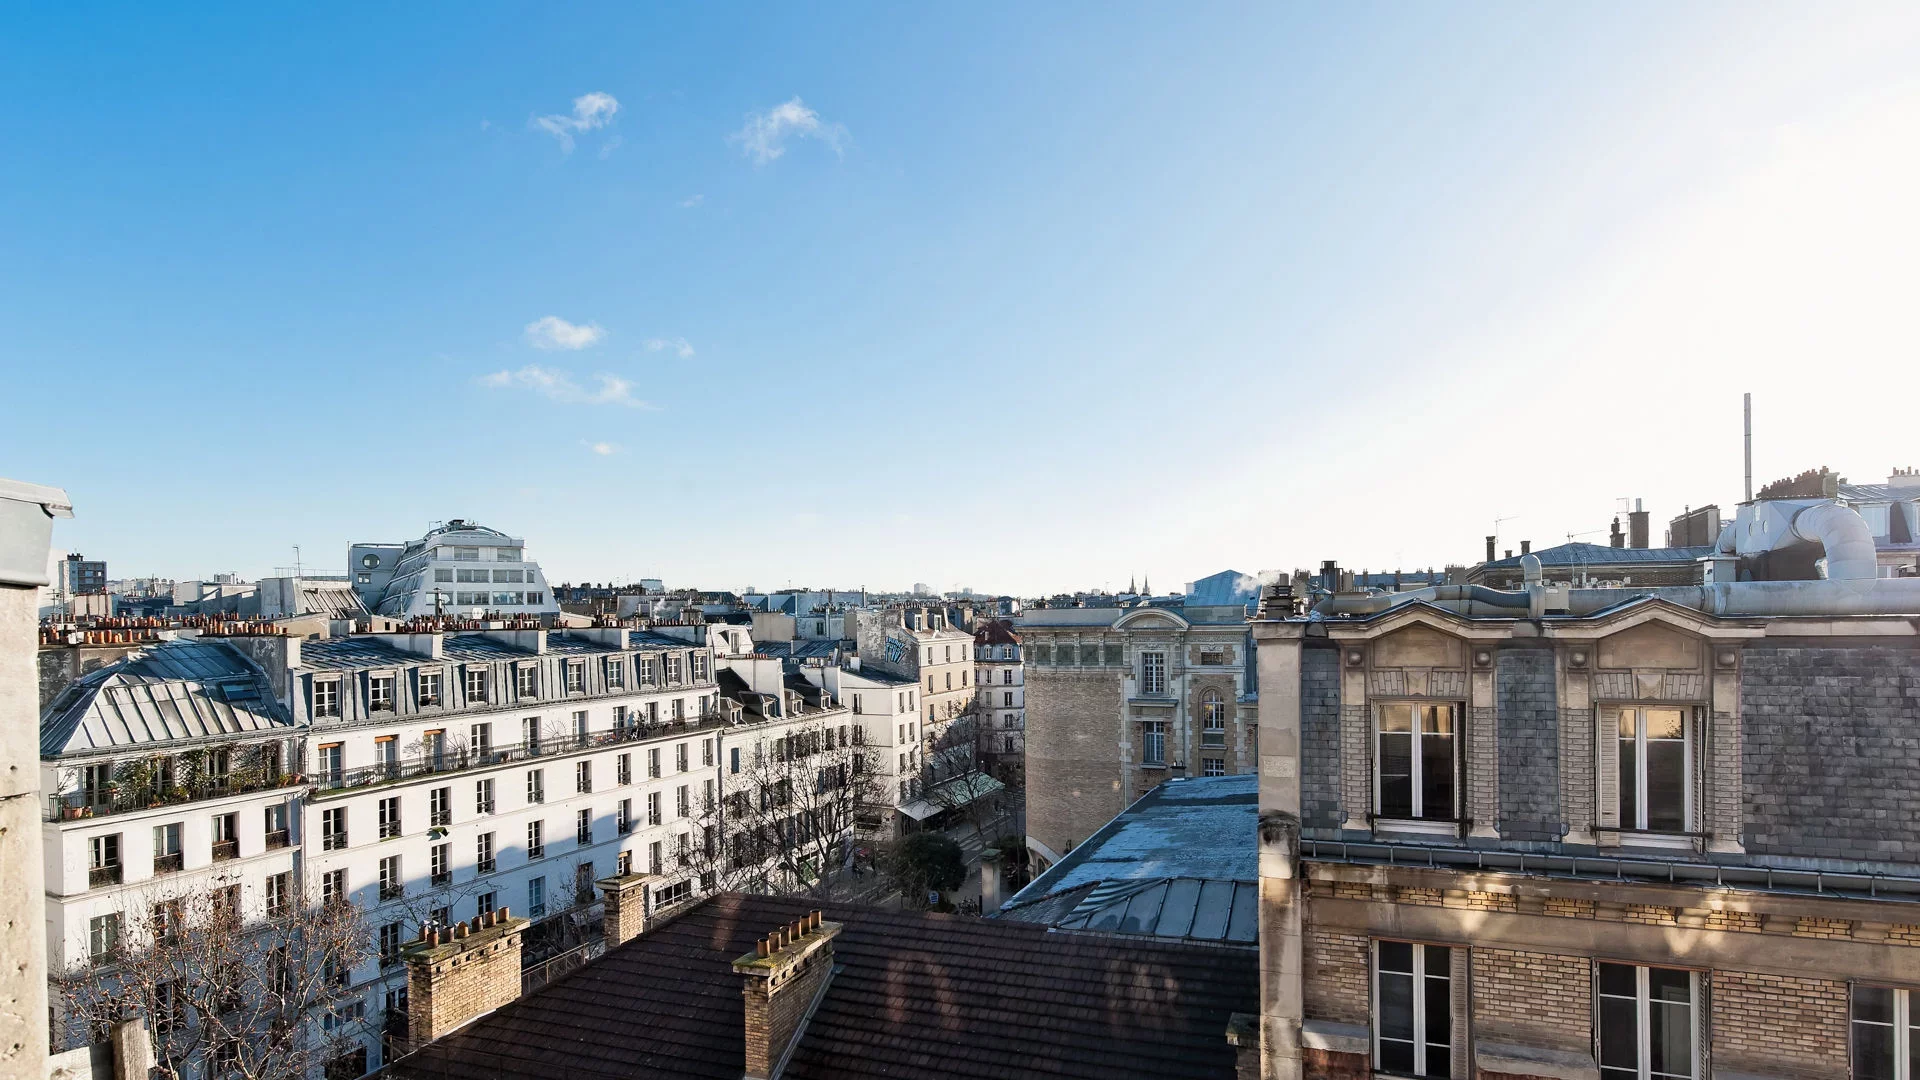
{"x": 451, "y": 981}
{"x": 629, "y": 898}
{"x": 784, "y": 977}
{"x": 1637, "y": 526}
{"x": 1490, "y": 542}
{"x": 1616, "y": 538}
{"x": 1526, "y": 547}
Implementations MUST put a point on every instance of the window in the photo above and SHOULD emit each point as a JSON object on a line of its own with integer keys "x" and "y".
{"x": 442, "y": 864}
{"x": 530, "y": 735}
{"x": 393, "y": 884}
{"x": 485, "y": 902}
{"x": 483, "y": 853}
{"x": 616, "y": 673}
{"x": 1043, "y": 654}
{"x": 536, "y": 839}
{"x": 706, "y": 752}
{"x": 856, "y": 704}
{"x": 103, "y": 861}
{"x": 483, "y": 796}
{"x": 103, "y": 936}
{"x": 1212, "y": 766}
{"x": 699, "y": 666}
{"x": 279, "y": 894}
{"x": 1006, "y": 699}
{"x": 380, "y": 693}
{"x": 536, "y": 786}
{"x": 326, "y": 697}
{"x": 646, "y": 668}
{"x": 623, "y": 769}
{"x": 480, "y": 740}
{"x": 333, "y": 829}
{"x": 333, "y": 887}
{"x": 653, "y": 762}
{"x": 429, "y": 688}
{"x": 470, "y": 577}
{"x": 576, "y": 676}
{"x": 1647, "y": 1023}
{"x": 1153, "y": 742}
{"x": 275, "y": 821}
{"x": 1414, "y": 763}
{"x": 733, "y": 760}
{"x": 655, "y": 864}
{"x": 1654, "y": 770}
{"x": 680, "y": 801}
{"x": 679, "y": 708}
{"x": 583, "y": 827}
{"x": 390, "y": 817}
{"x": 1413, "y": 1009}
{"x": 392, "y": 936}
{"x": 526, "y": 682}
{"x": 680, "y": 757}
{"x": 443, "y": 575}
{"x": 476, "y": 684}
{"x": 1886, "y": 1034}
{"x": 1153, "y": 674}
{"x": 580, "y": 727}
{"x": 653, "y": 808}
{"x": 672, "y": 663}
{"x": 583, "y": 776}
{"x": 440, "y": 807}
{"x": 1006, "y": 676}
{"x": 1213, "y": 710}
{"x": 536, "y": 897}
{"x": 623, "y": 820}
{"x": 1213, "y": 657}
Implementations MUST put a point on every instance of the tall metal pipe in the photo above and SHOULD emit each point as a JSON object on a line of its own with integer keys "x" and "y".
{"x": 1747, "y": 409}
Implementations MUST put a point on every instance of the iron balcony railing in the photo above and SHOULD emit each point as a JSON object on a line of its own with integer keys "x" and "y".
{"x": 459, "y": 760}
{"x": 119, "y": 799}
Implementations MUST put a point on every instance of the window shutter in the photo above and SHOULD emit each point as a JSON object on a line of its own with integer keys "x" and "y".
{"x": 1700, "y": 747}
{"x": 1606, "y": 811}
{"x": 1702, "y": 1028}
{"x": 1461, "y": 1001}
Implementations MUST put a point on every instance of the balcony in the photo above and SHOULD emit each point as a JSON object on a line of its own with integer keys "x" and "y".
{"x": 442, "y": 879}
{"x": 334, "y": 842}
{"x": 624, "y": 827}
{"x": 452, "y": 761}
{"x": 484, "y": 866}
{"x": 225, "y": 849}
{"x": 102, "y": 876}
{"x": 132, "y": 796}
{"x": 392, "y": 890}
{"x": 536, "y": 851}
{"x": 277, "y": 838}
{"x": 168, "y": 864}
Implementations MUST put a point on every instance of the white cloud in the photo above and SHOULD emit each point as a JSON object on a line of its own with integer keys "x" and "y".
{"x": 557, "y": 385}
{"x": 679, "y": 345}
{"x": 604, "y": 449}
{"x": 554, "y": 332}
{"x": 765, "y": 135}
{"x": 607, "y": 148}
{"x": 692, "y": 201}
{"x": 590, "y": 111}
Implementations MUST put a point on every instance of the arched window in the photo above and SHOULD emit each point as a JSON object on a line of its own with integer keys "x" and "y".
{"x": 1213, "y": 711}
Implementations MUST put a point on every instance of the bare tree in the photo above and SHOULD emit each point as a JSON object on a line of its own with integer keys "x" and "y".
{"x": 225, "y": 996}
{"x": 785, "y": 823}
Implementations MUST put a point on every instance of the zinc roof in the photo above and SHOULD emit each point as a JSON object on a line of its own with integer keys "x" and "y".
{"x": 171, "y": 692}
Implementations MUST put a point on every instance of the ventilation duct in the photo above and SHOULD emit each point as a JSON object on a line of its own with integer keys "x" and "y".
{"x": 1778, "y": 524}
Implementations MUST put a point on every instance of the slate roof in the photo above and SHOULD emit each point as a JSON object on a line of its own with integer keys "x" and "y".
{"x": 921, "y": 995}
{"x": 172, "y": 692}
{"x": 480, "y": 647}
{"x": 1228, "y": 587}
{"x": 351, "y": 653}
{"x": 1581, "y": 554}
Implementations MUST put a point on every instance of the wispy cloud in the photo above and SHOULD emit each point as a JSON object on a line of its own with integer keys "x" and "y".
{"x": 554, "y": 332}
{"x": 604, "y": 449}
{"x": 557, "y": 385}
{"x": 679, "y": 345}
{"x": 692, "y": 201}
{"x": 765, "y": 135}
{"x": 590, "y": 111}
{"x": 607, "y": 148}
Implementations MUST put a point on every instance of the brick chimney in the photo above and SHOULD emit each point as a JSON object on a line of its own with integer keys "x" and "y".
{"x": 1490, "y": 542}
{"x": 455, "y": 976}
{"x": 1617, "y": 538}
{"x": 785, "y": 975}
{"x": 628, "y": 897}
{"x": 1637, "y": 531}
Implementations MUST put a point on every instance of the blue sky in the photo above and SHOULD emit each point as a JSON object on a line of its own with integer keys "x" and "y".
{"x": 1026, "y": 300}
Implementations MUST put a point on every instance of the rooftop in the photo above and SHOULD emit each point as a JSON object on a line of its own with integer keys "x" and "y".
{"x": 921, "y": 995}
{"x": 1582, "y": 554}
{"x": 180, "y": 691}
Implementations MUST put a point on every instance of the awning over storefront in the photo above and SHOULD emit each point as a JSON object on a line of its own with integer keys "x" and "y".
{"x": 952, "y": 794}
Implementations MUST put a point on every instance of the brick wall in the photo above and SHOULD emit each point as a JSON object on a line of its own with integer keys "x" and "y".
{"x": 447, "y": 986}
{"x": 1320, "y": 739}
{"x": 1775, "y": 1025}
{"x": 1336, "y": 983}
{"x": 1529, "y": 745}
{"x": 1073, "y": 754}
{"x": 1828, "y": 751}
{"x": 771, "y": 1019}
{"x": 1541, "y": 1000}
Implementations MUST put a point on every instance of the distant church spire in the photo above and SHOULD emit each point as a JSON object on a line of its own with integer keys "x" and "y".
{"x": 1130, "y": 588}
{"x": 1145, "y": 588}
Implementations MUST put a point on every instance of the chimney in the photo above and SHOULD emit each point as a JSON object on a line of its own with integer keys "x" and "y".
{"x": 454, "y": 977}
{"x": 1616, "y": 538}
{"x": 784, "y": 977}
{"x": 1637, "y": 526}
{"x": 629, "y": 897}
{"x": 1526, "y": 547}
{"x": 1490, "y": 543}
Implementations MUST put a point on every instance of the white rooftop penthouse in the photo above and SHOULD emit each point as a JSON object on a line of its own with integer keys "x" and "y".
{"x": 460, "y": 568}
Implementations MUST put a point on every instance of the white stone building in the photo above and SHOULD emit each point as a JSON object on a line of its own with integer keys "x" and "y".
{"x": 1002, "y": 684}
{"x": 461, "y": 568}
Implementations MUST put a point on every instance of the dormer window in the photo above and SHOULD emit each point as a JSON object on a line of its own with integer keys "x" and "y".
{"x": 526, "y": 682}
{"x": 616, "y": 673}
{"x": 326, "y": 697}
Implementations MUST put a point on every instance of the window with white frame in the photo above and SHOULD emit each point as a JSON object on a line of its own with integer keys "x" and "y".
{"x": 1416, "y": 760}
{"x": 380, "y": 693}
{"x": 536, "y": 839}
{"x": 646, "y": 668}
{"x": 536, "y": 786}
{"x": 1153, "y": 742}
{"x": 429, "y": 688}
{"x": 1886, "y": 1033}
{"x": 576, "y": 676}
{"x": 483, "y": 796}
{"x": 326, "y": 697}
{"x": 1649, "y": 1024}
{"x": 1653, "y": 769}
{"x": 526, "y": 682}
{"x": 1412, "y": 1008}
{"x": 1153, "y": 674}
{"x": 476, "y": 684}
{"x": 616, "y": 672}
{"x": 1213, "y": 766}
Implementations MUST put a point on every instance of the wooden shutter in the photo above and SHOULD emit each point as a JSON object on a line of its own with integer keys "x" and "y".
{"x": 1702, "y": 1029}
{"x": 1606, "y": 771}
{"x": 1461, "y": 1003}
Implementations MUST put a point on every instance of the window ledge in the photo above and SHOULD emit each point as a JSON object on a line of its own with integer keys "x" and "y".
{"x": 1417, "y": 827}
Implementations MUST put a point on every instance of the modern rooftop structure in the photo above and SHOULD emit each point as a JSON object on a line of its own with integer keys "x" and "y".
{"x": 459, "y": 568}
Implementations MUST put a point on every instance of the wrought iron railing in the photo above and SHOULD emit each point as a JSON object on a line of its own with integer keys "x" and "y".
{"x": 103, "y": 802}
{"x": 459, "y": 760}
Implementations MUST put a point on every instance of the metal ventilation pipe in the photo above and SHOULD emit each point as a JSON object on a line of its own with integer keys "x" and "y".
{"x": 1846, "y": 537}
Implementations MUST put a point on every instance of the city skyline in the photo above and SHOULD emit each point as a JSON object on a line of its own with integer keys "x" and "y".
{"x": 617, "y": 282}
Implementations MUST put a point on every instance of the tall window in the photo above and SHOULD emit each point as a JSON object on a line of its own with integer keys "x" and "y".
{"x": 483, "y": 796}
{"x": 536, "y": 896}
{"x": 1654, "y": 769}
{"x": 536, "y": 839}
{"x": 536, "y": 786}
{"x": 429, "y": 688}
{"x": 1648, "y": 1023}
{"x": 576, "y": 676}
{"x": 1886, "y": 1034}
{"x": 526, "y": 682}
{"x": 380, "y": 693}
{"x": 1414, "y": 763}
{"x": 1153, "y": 742}
{"x": 326, "y": 697}
{"x": 1413, "y": 1008}
{"x": 616, "y": 673}
{"x": 333, "y": 828}
{"x": 476, "y": 684}
{"x": 1153, "y": 674}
